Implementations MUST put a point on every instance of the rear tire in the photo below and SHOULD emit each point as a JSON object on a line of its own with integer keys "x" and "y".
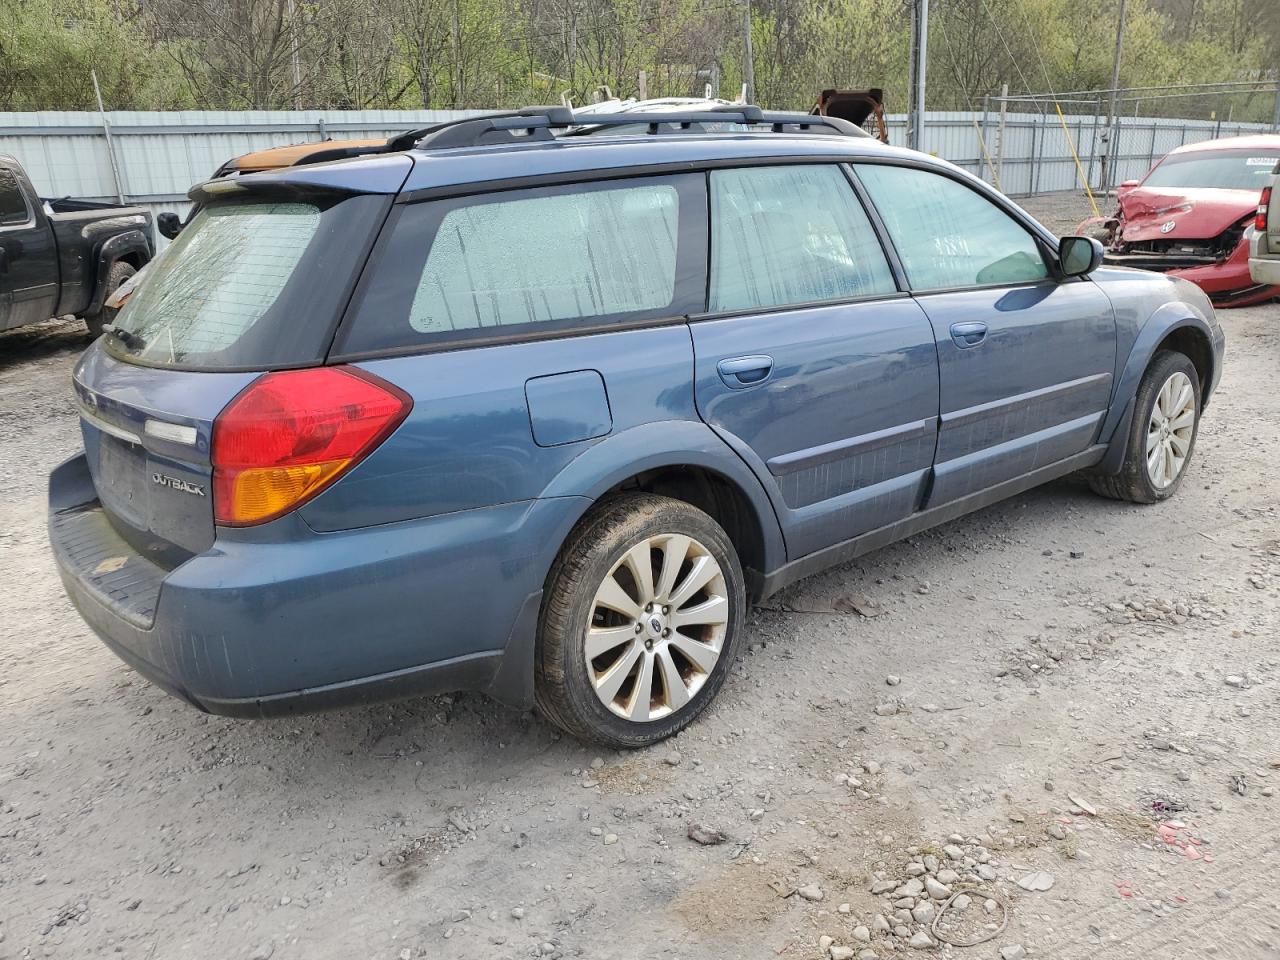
{"x": 118, "y": 274}
{"x": 652, "y": 587}
{"x": 1162, "y": 435}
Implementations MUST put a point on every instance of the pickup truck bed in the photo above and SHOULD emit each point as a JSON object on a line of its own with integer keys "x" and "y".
{"x": 60, "y": 257}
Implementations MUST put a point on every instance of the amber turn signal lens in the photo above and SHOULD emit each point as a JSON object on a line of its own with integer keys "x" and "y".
{"x": 289, "y": 435}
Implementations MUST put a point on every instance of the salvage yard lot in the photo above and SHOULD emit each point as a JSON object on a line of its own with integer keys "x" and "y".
{"x": 1081, "y": 688}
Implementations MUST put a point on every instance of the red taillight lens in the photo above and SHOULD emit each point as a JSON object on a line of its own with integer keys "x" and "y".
{"x": 1260, "y": 222}
{"x": 289, "y": 435}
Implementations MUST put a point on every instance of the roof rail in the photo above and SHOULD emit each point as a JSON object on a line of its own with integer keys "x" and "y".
{"x": 536, "y": 123}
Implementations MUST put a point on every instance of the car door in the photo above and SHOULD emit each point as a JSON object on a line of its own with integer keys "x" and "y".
{"x": 1025, "y": 359}
{"x": 811, "y": 363}
{"x": 28, "y": 265}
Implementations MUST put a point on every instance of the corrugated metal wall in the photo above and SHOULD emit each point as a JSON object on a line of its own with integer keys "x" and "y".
{"x": 1036, "y": 154}
{"x": 160, "y": 155}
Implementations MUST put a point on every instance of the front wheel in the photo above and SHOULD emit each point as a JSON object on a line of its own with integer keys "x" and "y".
{"x": 1162, "y": 436}
{"x": 640, "y": 621}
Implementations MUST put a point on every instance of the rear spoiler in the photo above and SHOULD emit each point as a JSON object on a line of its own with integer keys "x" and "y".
{"x": 382, "y": 176}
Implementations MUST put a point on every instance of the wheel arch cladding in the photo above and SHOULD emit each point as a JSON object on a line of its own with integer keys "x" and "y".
{"x": 1169, "y": 328}
{"x": 715, "y": 495}
{"x": 686, "y": 461}
{"x": 1194, "y": 344}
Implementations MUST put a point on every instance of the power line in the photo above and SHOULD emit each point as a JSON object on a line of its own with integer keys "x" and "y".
{"x": 1012, "y": 58}
{"x": 526, "y": 38}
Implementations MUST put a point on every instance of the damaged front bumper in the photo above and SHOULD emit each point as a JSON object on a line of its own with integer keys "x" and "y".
{"x": 1225, "y": 279}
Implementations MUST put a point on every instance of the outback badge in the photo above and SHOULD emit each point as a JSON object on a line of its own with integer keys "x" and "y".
{"x": 177, "y": 483}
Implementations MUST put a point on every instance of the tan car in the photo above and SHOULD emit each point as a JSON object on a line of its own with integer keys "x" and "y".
{"x": 1264, "y": 248}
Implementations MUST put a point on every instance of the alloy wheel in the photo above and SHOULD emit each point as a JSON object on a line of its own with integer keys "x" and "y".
{"x": 657, "y": 627}
{"x": 1170, "y": 430}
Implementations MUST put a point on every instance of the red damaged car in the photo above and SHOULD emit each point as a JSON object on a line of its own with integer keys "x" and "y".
{"x": 1192, "y": 216}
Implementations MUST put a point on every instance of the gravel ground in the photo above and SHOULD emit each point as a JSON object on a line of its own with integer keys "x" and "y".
{"x": 1061, "y": 693}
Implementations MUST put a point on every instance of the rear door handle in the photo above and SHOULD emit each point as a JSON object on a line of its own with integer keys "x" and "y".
{"x": 968, "y": 334}
{"x": 739, "y": 372}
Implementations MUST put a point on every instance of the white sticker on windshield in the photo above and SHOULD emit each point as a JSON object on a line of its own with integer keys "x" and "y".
{"x": 1260, "y": 161}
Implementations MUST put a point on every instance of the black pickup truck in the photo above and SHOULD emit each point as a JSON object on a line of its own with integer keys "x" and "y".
{"x": 60, "y": 257}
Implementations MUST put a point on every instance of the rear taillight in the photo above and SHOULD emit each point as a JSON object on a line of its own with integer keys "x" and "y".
{"x": 288, "y": 435}
{"x": 1260, "y": 222}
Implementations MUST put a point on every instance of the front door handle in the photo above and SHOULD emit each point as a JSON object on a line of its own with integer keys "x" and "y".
{"x": 741, "y": 372}
{"x": 968, "y": 334}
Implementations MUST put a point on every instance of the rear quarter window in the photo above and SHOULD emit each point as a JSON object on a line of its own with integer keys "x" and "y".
{"x": 548, "y": 260}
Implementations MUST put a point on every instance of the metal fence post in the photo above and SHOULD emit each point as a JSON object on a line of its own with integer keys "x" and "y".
{"x": 986, "y": 134}
{"x": 1004, "y": 113}
{"x": 106, "y": 132}
{"x": 1031, "y": 160}
{"x": 1093, "y": 138}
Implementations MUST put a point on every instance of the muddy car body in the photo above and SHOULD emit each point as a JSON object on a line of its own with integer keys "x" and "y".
{"x": 1192, "y": 216}
{"x": 535, "y": 416}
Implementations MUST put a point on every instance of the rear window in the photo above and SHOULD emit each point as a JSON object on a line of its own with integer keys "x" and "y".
{"x": 13, "y": 208}
{"x": 250, "y": 284}
{"x": 545, "y": 260}
{"x": 1224, "y": 169}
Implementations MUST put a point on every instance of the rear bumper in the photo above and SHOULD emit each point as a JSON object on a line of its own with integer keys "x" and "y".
{"x": 1264, "y": 258}
{"x": 1265, "y": 269}
{"x": 280, "y": 619}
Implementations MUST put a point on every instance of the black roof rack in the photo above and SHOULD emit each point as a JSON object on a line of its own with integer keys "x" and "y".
{"x": 537, "y": 123}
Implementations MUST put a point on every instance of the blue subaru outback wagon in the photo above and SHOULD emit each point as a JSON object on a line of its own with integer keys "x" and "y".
{"x": 539, "y": 414}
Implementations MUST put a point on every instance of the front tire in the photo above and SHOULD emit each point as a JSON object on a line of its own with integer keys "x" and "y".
{"x": 1162, "y": 435}
{"x": 118, "y": 274}
{"x": 640, "y": 621}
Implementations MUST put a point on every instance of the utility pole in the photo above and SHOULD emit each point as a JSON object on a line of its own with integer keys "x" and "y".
{"x": 1105, "y": 177}
{"x": 293, "y": 56}
{"x": 457, "y": 56}
{"x": 919, "y": 60}
{"x": 748, "y": 59}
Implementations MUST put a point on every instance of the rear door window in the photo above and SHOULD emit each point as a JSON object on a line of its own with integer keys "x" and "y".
{"x": 947, "y": 235}
{"x": 791, "y": 235}
{"x": 250, "y": 284}
{"x": 528, "y": 262}
{"x": 13, "y": 208}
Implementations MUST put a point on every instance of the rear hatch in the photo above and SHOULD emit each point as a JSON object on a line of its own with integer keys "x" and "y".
{"x": 257, "y": 281}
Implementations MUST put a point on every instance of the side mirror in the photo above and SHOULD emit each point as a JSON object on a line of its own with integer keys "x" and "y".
{"x": 1079, "y": 256}
{"x": 169, "y": 225}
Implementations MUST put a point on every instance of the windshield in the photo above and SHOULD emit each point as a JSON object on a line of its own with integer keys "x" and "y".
{"x": 1223, "y": 169}
{"x": 248, "y": 284}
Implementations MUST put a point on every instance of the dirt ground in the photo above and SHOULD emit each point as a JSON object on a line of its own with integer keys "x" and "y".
{"x": 1082, "y": 688}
